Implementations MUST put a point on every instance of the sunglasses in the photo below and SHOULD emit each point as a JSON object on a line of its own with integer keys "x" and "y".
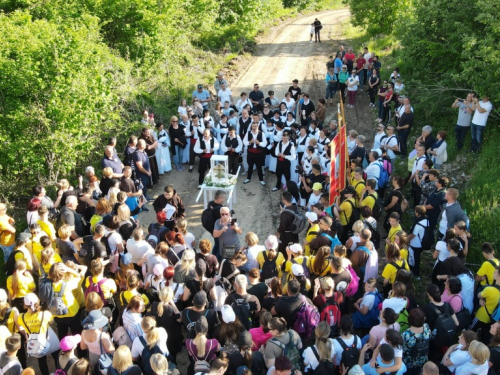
{"x": 224, "y": 214}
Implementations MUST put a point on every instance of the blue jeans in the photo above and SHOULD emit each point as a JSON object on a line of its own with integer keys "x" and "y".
{"x": 145, "y": 183}
{"x": 331, "y": 90}
{"x": 178, "y": 155}
{"x": 380, "y": 109}
{"x": 7, "y": 250}
{"x": 477, "y": 137}
{"x": 361, "y": 76}
{"x": 460, "y": 133}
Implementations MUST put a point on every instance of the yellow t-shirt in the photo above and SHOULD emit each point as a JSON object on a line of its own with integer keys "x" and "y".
{"x": 56, "y": 258}
{"x": 308, "y": 287}
{"x": 279, "y": 261}
{"x": 404, "y": 254}
{"x": 369, "y": 201}
{"x": 346, "y": 208}
{"x": 25, "y": 285}
{"x": 10, "y": 322}
{"x": 25, "y": 254}
{"x": 68, "y": 297}
{"x": 289, "y": 264}
{"x": 491, "y": 295}
{"x": 7, "y": 238}
{"x": 108, "y": 287}
{"x": 312, "y": 233}
{"x": 325, "y": 268}
{"x": 390, "y": 272}
{"x": 392, "y": 234}
{"x": 34, "y": 321}
{"x": 487, "y": 269}
{"x": 36, "y": 249}
{"x": 359, "y": 186}
{"x": 127, "y": 296}
{"x": 48, "y": 228}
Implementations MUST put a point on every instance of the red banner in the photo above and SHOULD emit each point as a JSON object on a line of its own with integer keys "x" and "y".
{"x": 343, "y": 159}
{"x": 334, "y": 169}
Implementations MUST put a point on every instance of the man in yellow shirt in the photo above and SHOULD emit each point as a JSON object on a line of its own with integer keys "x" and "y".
{"x": 485, "y": 273}
{"x": 488, "y": 301}
{"x": 7, "y": 232}
{"x": 371, "y": 195}
{"x": 346, "y": 211}
{"x": 312, "y": 232}
{"x": 358, "y": 184}
{"x": 395, "y": 228}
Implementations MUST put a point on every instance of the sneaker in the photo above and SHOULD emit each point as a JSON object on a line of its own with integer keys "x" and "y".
{"x": 275, "y": 189}
{"x": 190, "y": 169}
{"x": 246, "y": 181}
{"x": 200, "y": 186}
{"x": 145, "y": 209}
{"x": 182, "y": 168}
{"x": 263, "y": 183}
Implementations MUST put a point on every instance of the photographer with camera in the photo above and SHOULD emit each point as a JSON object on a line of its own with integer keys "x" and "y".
{"x": 464, "y": 118}
{"x": 307, "y": 182}
{"x": 226, "y": 229}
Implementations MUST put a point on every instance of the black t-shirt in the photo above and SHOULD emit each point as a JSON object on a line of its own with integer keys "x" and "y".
{"x": 105, "y": 184}
{"x": 235, "y": 360}
{"x": 228, "y": 269}
{"x": 431, "y": 315}
{"x": 268, "y": 303}
{"x": 359, "y": 152}
{"x": 259, "y": 290}
{"x": 194, "y": 287}
{"x": 295, "y": 92}
{"x": 211, "y": 262}
{"x": 286, "y": 307}
{"x": 253, "y": 302}
{"x": 167, "y": 320}
{"x": 397, "y": 207}
{"x": 495, "y": 358}
{"x": 189, "y": 318}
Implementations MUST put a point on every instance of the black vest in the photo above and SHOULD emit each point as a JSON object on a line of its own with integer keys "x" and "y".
{"x": 231, "y": 143}
{"x": 288, "y": 149}
{"x": 203, "y": 144}
{"x": 260, "y": 137}
{"x": 244, "y": 125}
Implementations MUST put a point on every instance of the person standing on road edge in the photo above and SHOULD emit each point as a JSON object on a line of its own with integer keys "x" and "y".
{"x": 317, "y": 29}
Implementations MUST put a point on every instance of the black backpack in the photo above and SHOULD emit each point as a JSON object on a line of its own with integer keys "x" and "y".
{"x": 299, "y": 221}
{"x": 421, "y": 347}
{"x": 241, "y": 309}
{"x": 355, "y": 215}
{"x": 324, "y": 367}
{"x": 350, "y": 355}
{"x": 375, "y": 235}
{"x": 444, "y": 326}
{"x": 428, "y": 239}
{"x": 398, "y": 267}
{"x": 377, "y": 207}
{"x": 10, "y": 265}
{"x": 105, "y": 242}
{"x": 269, "y": 269}
{"x": 207, "y": 218}
{"x": 146, "y": 357}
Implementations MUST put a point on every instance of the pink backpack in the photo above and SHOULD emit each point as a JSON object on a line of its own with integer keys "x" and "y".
{"x": 352, "y": 289}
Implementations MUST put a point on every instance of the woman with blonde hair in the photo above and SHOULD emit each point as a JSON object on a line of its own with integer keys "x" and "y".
{"x": 159, "y": 365}
{"x": 185, "y": 268}
{"x": 49, "y": 257}
{"x": 166, "y": 315}
{"x": 152, "y": 337}
{"x": 189, "y": 237}
{"x": 201, "y": 348}
{"x": 19, "y": 284}
{"x": 271, "y": 244}
{"x": 127, "y": 225}
{"x": 112, "y": 195}
{"x": 351, "y": 243}
{"x": 251, "y": 250}
{"x": 106, "y": 182}
{"x": 122, "y": 363}
{"x": 478, "y": 364}
{"x": 322, "y": 350}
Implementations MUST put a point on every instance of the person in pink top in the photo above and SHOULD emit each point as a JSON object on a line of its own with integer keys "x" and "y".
{"x": 388, "y": 320}
{"x": 451, "y": 293}
{"x": 261, "y": 335}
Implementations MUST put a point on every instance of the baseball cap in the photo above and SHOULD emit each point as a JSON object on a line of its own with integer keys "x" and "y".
{"x": 295, "y": 248}
{"x": 200, "y": 299}
{"x": 200, "y": 86}
{"x": 228, "y": 315}
{"x": 30, "y": 300}
{"x": 312, "y": 216}
{"x": 271, "y": 242}
{"x": 70, "y": 342}
{"x": 297, "y": 270}
{"x": 317, "y": 186}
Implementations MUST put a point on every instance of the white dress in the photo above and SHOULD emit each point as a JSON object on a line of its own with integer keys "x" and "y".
{"x": 185, "y": 154}
{"x": 163, "y": 151}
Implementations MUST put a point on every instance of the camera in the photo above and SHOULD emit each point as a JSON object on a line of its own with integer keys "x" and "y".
{"x": 461, "y": 100}
{"x": 234, "y": 221}
{"x": 300, "y": 170}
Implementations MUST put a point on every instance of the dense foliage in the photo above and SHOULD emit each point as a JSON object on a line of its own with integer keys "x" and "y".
{"x": 73, "y": 72}
{"x": 447, "y": 50}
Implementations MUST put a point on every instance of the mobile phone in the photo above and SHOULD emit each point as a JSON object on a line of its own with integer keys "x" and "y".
{"x": 233, "y": 221}
{"x": 461, "y": 100}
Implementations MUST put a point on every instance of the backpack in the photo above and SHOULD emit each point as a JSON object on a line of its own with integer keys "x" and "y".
{"x": 444, "y": 328}
{"x": 241, "y": 309}
{"x": 269, "y": 270}
{"x": 402, "y": 319}
{"x": 387, "y": 165}
{"x": 221, "y": 293}
{"x": 290, "y": 351}
{"x": 428, "y": 239}
{"x": 56, "y": 305}
{"x": 37, "y": 345}
{"x": 350, "y": 355}
{"x": 463, "y": 316}
{"x": 355, "y": 215}
{"x": 333, "y": 241}
{"x": 200, "y": 365}
{"x": 63, "y": 371}
{"x": 375, "y": 235}
{"x": 377, "y": 207}
{"x": 96, "y": 287}
{"x": 146, "y": 356}
{"x": 191, "y": 334}
{"x": 325, "y": 367}
{"x": 353, "y": 286}
{"x": 496, "y": 312}
{"x": 299, "y": 221}
{"x": 398, "y": 267}
{"x": 372, "y": 316}
{"x": 306, "y": 319}
{"x": 331, "y": 313}
{"x": 366, "y": 250}
{"x": 421, "y": 347}
{"x": 383, "y": 177}
{"x": 304, "y": 266}
{"x": 105, "y": 242}
{"x": 45, "y": 292}
{"x": 10, "y": 265}
{"x": 207, "y": 219}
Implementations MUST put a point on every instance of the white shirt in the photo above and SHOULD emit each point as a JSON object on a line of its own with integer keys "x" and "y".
{"x": 113, "y": 240}
{"x": 138, "y": 249}
{"x": 418, "y": 231}
{"x": 371, "y": 267}
{"x": 373, "y": 172}
{"x": 397, "y": 304}
{"x": 469, "y": 369}
{"x": 197, "y": 147}
{"x": 353, "y": 83}
{"x": 367, "y": 56}
{"x": 377, "y": 139}
{"x": 252, "y": 253}
{"x": 302, "y": 143}
{"x": 351, "y": 145}
{"x": 418, "y": 165}
{"x": 339, "y": 350}
{"x": 290, "y": 104}
{"x": 467, "y": 292}
{"x": 311, "y": 359}
{"x": 481, "y": 118}
{"x": 443, "y": 252}
{"x": 368, "y": 300}
{"x": 458, "y": 358}
{"x": 313, "y": 199}
{"x": 224, "y": 95}
{"x": 137, "y": 346}
{"x": 182, "y": 110}
{"x": 283, "y": 148}
{"x": 391, "y": 141}
{"x": 241, "y": 103}
{"x": 263, "y": 143}
{"x": 443, "y": 223}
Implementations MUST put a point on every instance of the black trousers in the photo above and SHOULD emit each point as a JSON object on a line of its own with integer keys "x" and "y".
{"x": 258, "y": 160}
{"x": 417, "y": 251}
{"x": 233, "y": 161}
{"x": 192, "y": 154}
{"x": 403, "y": 140}
{"x": 282, "y": 169}
{"x": 202, "y": 169}
{"x": 317, "y": 35}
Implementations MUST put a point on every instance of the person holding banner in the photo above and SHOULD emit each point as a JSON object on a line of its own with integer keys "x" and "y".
{"x": 285, "y": 153}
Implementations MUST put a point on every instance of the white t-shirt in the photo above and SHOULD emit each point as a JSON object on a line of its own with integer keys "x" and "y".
{"x": 371, "y": 267}
{"x": 443, "y": 251}
{"x": 353, "y": 83}
{"x": 398, "y": 352}
{"x": 137, "y": 346}
{"x": 443, "y": 223}
{"x": 470, "y": 369}
{"x": 313, "y": 199}
{"x": 418, "y": 231}
{"x": 138, "y": 249}
{"x": 311, "y": 359}
{"x": 252, "y": 253}
{"x": 355, "y": 239}
{"x": 225, "y": 95}
{"x": 368, "y": 300}
{"x": 458, "y": 358}
{"x": 418, "y": 165}
{"x": 113, "y": 240}
{"x": 312, "y": 30}
{"x": 373, "y": 172}
{"x": 397, "y": 304}
{"x": 339, "y": 350}
{"x": 390, "y": 141}
{"x": 189, "y": 239}
{"x": 377, "y": 140}
{"x": 182, "y": 110}
{"x": 290, "y": 104}
{"x": 481, "y": 118}
{"x": 467, "y": 292}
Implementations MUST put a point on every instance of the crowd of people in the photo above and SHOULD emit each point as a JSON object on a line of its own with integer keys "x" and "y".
{"x": 99, "y": 293}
